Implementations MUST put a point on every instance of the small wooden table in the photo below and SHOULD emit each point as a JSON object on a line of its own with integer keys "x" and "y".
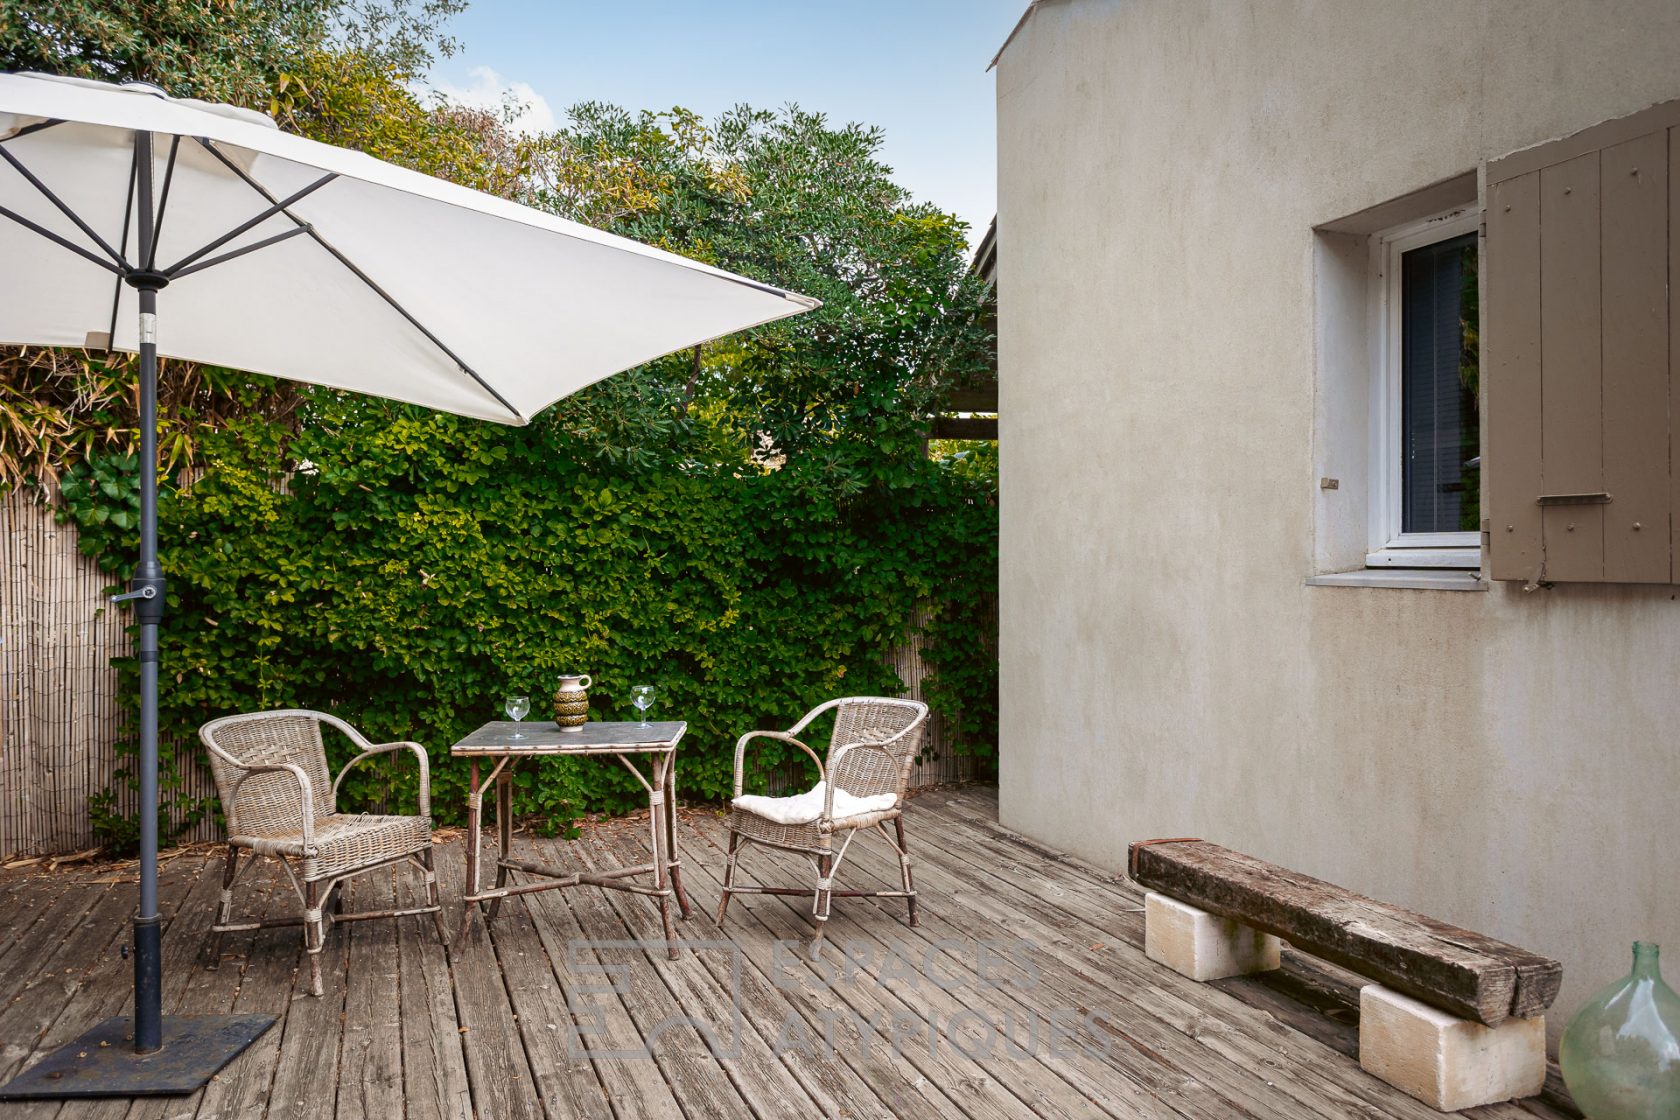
{"x": 546, "y": 740}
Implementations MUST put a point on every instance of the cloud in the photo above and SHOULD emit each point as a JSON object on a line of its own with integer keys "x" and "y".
{"x": 486, "y": 89}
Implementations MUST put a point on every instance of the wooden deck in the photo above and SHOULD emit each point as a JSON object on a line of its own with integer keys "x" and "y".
{"x": 544, "y": 1017}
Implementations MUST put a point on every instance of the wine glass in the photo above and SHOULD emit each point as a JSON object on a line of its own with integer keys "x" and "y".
{"x": 641, "y": 696}
{"x": 517, "y": 708}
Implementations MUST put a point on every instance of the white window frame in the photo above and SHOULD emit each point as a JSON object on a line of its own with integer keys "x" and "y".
{"x": 1390, "y": 547}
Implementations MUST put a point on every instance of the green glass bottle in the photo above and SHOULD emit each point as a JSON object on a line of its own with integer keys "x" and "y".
{"x": 1621, "y": 1052}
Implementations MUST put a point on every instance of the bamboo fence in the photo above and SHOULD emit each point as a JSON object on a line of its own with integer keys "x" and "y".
{"x": 58, "y": 711}
{"x": 60, "y": 720}
{"x": 939, "y": 763}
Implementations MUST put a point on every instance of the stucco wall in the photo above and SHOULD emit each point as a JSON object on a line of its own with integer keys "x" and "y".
{"x": 1508, "y": 761}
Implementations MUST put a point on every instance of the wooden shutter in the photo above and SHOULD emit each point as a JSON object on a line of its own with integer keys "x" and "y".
{"x": 1579, "y": 324}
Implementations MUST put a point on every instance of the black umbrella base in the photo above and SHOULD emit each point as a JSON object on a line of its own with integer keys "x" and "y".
{"x": 102, "y": 1063}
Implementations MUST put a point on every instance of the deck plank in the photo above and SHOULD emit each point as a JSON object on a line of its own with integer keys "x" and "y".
{"x": 1063, "y": 1081}
{"x": 189, "y": 988}
{"x": 731, "y": 982}
{"x": 769, "y": 1087}
{"x": 1186, "y": 1046}
{"x": 498, "y": 1072}
{"x": 107, "y": 986}
{"x": 32, "y": 921}
{"x": 50, "y": 1008}
{"x": 265, "y": 962}
{"x": 388, "y": 1039}
{"x": 1318, "y": 1076}
{"x": 434, "y": 1063}
{"x": 1015, "y": 1090}
{"x": 597, "y": 1021}
{"x": 679, "y": 1051}
{"x": 370, "y": 1054}
{"x": 901, "y": 1087}
{"x": 306, "y": 1073}
{"x": 566, "y": 1081}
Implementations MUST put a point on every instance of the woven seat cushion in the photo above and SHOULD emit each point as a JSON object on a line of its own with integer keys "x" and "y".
{"x": 346, "y": 841}
{"x": 806, "y": 807}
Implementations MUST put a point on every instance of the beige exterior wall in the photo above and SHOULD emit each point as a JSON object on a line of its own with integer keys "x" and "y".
{"x": 1504, "y": 760}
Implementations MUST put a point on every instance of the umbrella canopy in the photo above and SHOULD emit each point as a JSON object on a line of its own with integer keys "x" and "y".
{"x": 131, "y": 220}
{"x": 387, "y": 281}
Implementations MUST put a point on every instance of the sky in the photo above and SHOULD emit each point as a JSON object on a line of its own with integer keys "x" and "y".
{"x": 916, "y": 68}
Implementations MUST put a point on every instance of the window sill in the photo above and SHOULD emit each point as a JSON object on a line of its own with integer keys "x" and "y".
{"x": 1455, "y": 556}
{"x": 1418, "y": 579}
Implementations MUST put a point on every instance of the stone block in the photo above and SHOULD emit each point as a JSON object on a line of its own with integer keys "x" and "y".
{"x": 1446, "y": 1062}
{"x": 1203, "y": 946}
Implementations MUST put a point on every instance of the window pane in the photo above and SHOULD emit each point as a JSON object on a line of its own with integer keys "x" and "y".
{"x": 1439, "y": 430}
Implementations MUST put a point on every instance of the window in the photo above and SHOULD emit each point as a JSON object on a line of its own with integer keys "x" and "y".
{"x": 1425, "y": 505}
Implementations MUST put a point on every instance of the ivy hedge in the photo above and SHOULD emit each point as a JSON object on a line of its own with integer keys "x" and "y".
{"x": 408, "y": 569}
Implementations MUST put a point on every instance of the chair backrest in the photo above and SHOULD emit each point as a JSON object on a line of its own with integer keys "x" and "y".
{"x": 898, "y": 724}
{"x": 268, "y": 803}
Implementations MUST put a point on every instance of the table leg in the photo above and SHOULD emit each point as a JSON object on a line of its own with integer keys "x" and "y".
{"x": 673, "y": 859}
{"x": 658, "y": 814}
{"x": 504, "y": 831}
{"x": 475, "y": 822}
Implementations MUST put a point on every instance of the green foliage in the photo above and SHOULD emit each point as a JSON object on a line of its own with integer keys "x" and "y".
{"x": 101, "y": 494}
{"x": 178, "y": 811}
{"x": 844, "y": 395}
{"x": 423, "y": 566}
{"x": 236, "y": 51}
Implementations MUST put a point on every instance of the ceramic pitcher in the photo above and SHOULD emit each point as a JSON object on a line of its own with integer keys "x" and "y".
{"x": 571, "y": 701}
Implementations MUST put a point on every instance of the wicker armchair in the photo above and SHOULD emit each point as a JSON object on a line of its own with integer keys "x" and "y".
{"x": 875, "y": 741}
{"x": 271, "y": 772}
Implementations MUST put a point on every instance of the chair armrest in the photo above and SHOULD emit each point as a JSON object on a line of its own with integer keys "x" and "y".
{"x": 296, "y": 772}
{"x": 741, "y": 752}
{"x": 806, "y": 719}
{"x": 386, "y": 748}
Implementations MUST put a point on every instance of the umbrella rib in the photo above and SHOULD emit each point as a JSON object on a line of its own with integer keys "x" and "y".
{"x": 128, "y": 217}
{"x": 51, "y": 236}
{"x": 38, "y": 126}
{"x": 163, "y": 199}
{"x": 365, "y": 279}
{"x": 176, "y": 268}
{"x": 63, "y": 209}
{"x": 176, "y": 274}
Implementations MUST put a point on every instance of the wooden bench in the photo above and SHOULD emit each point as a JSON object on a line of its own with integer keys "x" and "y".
{"x": 1455, "y": 1018}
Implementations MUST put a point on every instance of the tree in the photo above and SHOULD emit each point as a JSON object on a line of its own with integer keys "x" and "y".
{"x": 236, "y": 51}
{"x": 843, "y": 395}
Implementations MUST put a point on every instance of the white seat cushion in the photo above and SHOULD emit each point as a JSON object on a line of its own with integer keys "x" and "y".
{"x": 808, "y": 806}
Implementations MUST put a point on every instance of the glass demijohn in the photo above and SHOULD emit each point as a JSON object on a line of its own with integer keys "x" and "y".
{"x": 1621, "y": 1052}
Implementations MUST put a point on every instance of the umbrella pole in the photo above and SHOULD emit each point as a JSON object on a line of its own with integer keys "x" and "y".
{"x": 175, "y": 1056}
{"x": 148, "y": 581}
{"x": 148, "y": 592}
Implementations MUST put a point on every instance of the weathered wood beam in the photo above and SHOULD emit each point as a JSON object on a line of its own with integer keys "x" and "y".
{"x": 976, "y": 398}
{"x": 1465, "y": 973}
{"x": 965, "y": 427}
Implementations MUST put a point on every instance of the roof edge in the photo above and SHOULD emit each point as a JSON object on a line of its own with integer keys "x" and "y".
{"x": 1020, "y": 23}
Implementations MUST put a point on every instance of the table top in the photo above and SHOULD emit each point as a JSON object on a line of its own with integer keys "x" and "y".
{"x": 543, "y": 737}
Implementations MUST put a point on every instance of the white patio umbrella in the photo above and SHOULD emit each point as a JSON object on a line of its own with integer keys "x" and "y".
{"x": 131, "y": 220}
